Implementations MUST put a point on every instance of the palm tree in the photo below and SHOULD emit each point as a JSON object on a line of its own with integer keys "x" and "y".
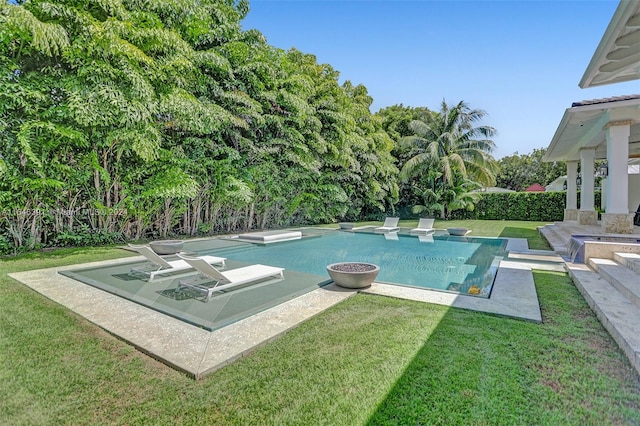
{"x": 449, "y": 142}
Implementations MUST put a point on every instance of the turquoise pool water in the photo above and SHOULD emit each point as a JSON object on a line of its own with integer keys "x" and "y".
{"x": 440, "y": 261}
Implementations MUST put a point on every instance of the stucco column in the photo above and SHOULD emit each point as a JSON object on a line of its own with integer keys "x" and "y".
{"x": 571, "y": 212}
{"x": 587, "y": 215}
{"x": 617, "y": 218}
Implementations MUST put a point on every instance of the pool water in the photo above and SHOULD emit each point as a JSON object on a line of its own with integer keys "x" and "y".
{"x": 440, "y": 262}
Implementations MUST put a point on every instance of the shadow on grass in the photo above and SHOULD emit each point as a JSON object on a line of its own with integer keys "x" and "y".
{"x": 536, "y": 242}
{"x": 483, "y": 369}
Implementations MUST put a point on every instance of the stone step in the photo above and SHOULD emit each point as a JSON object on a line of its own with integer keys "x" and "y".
{"x": 626, "y": 281}
{"x": 558, "y": 245}
{"x": 557, "y": 231}
{"x": 630, "y": 260}
{"x": 567, "y": 231}
{"x": 536, "y": 255}
{"x": 617, "y": 314}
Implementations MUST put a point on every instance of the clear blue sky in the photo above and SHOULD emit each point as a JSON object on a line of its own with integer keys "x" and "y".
{"x": 520, "y": 61}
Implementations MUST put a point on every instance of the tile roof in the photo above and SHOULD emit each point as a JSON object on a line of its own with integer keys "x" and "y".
{"x": 536, "y": 187}
{"x": 605, "y": 100}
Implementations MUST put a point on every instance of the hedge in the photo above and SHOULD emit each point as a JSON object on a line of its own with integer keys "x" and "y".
{"x": 530, "y": 206}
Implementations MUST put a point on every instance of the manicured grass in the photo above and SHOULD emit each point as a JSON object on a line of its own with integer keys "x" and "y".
{"x": 369, "y": 360}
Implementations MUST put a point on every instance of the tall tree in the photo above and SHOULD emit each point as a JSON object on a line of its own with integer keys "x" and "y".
{"x": 518, "y": 171}
{"x": 164, "y": 117}
{"x": 395, "y": 121}
{"x": 450, "y": 142}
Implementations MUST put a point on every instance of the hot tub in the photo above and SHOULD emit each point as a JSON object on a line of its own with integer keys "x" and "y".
{"x": 583, "y": 247}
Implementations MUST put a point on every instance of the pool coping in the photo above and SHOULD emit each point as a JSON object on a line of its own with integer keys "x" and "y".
{"x": 199, "y": 352}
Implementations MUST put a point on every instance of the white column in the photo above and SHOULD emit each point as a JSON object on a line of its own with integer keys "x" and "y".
{"x": 618, "y": 160}
{"x": 587, "y": 158}
{"x": 572, "y": 188}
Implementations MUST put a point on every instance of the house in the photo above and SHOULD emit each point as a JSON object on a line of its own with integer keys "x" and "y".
{"x": 602, "y": 263}
{"x": 559, "y": 184}
{"x": 492, "y": 190}
{"x": 605, "y": 129}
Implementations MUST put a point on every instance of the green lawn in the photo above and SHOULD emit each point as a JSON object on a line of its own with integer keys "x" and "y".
{"x": 369, "y": 360}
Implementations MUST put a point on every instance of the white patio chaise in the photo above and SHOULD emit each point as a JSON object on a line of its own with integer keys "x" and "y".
{"x": 426, "y": 238}
{"x": 210, "y": 279}
{"x": 157, "y": 265}
{"x": 424, "y": 225}
{"x": 390, "y": 225}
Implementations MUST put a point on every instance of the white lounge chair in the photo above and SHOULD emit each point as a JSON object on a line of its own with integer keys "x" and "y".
{"x": 424, "y": 225}
{"x": 391, "y": 236}
{"x": 157, "y": 265}
{"x": 210, "y": 279}
{"x": 390, "y": 225}
{"x": 426, "y": 238}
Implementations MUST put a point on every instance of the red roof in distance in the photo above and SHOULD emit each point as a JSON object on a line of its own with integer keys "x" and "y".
{"x": 536, "y": 187}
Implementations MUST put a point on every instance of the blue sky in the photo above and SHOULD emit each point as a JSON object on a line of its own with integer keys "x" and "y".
{"x": 520, "y": 61}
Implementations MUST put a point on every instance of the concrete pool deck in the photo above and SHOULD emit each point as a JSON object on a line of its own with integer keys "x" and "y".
{"x": 199, "y": 352}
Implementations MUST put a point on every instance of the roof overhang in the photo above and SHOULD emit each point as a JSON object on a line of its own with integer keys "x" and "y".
{"x": 617, "y": 57}
{"x": 583, "y": 126}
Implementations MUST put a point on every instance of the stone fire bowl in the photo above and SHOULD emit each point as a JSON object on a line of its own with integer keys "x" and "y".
{"x": 458, "y": 232}
{"x": 164, "y": 247}
{"x": 353, "y": 274}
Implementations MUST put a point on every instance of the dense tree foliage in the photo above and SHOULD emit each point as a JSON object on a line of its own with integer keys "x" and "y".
{"x": 395, "y": 121}
{"x": 128, "y": 119}
{"x": 517, "y": 172}
{"x": 146, "y": 118}
{"x": 449, "y": 156}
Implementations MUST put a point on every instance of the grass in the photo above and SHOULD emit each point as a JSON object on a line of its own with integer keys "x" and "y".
{"x": 369, "y": 360}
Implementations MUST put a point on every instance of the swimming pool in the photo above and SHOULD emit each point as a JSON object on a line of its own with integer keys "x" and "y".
{"x": 439, "y": 261}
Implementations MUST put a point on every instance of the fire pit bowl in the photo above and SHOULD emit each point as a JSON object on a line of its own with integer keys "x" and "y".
{"x": 458, "y": 232}
{"x": 166, "y": 246}
{"x": 353, "y": 274}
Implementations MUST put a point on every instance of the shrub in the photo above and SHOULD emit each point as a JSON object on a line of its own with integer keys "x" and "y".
{"x": 529, "y": 206}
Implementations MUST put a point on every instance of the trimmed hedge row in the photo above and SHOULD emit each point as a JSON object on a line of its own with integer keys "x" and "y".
{"x": 530, "y": 206}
